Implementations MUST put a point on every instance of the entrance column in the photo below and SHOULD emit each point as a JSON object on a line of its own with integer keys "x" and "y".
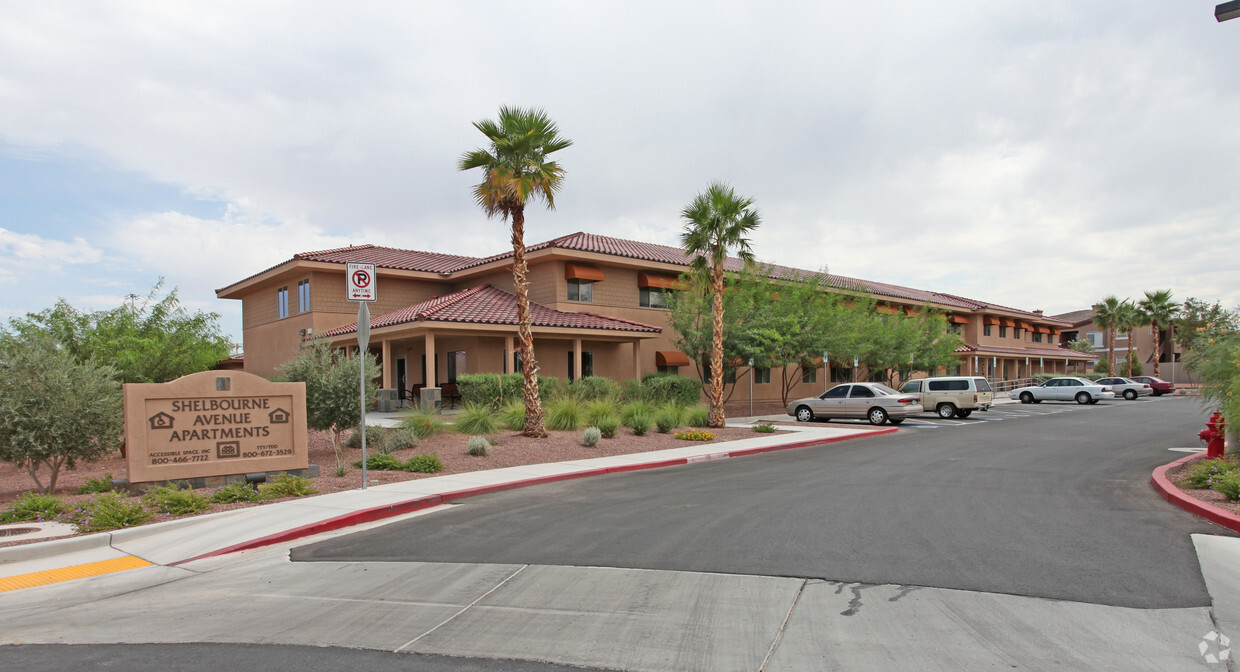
{"x": 431, "y": 395}
{"x": 637, "y": 363}
{"x": 577, "y": 372}
{"x": 507, "y": 363}
{"x": 388, "y": 366}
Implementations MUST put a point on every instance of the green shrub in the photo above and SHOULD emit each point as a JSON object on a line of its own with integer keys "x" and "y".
{"x": 665, "y": 388}
{"x": 598, "y": 408}
{"x": 549, "y": 388}
{"x": 639, "y": 423}
{"x": 593, "y": 388}
{"x": 381, "y": 462}
{"x": 764, "y": 428}
{"x": 1204, "y": 472}
{"x": 96, "y": 485}
{"x": 666, "y": 419}
{"x": 109, "y": 511}
{"x": 398, "y": 438}
{"x": 591, "y": 436}
{"x": 1102, "y": 366}
{"x": 424, "y": 464}
{"x": 478, "y": 446}
{"x": 697, "y": 416}
{"x": 425, "y": 424}
{"x": 608, "y": 425}
{"x": 1228, "y": 484}
{"x": 636, "y": 408}
{"x": 175, "y": 500}
{"x": 287, "y": 485}
{"x": 238, "y": 491}
{"x": 32, "y": 506}
{"x": 564, "y": 414}
{"x": 488, "y": 389}
{"x": 512, "y": 416}
{"x": 374, "y": 436}
{"x": 477, "y": 419}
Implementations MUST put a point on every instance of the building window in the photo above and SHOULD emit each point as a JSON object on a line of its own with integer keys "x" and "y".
{"x": 761, "y": 375}
{"x": 986, "y": 330}
{"x": 669, "y": 370}
{"x": 303, "y": 296}
{"x": 1037, "y": 337}
{"x": 654, "y": 297}
{"x": 1016, "y": 333}
{"x": 1002, "y": 332}
{"x": 581, "y": 290}
{"x": 878, "y": 376}
{"x": 456, "y": 364}
{"x": 282, "y": 302}
{"x": 809, "y": 374}
{"x": 587, "y": 364}
{"x": 1094, "y": 338}
{"x": 729, "y": 375}
{"x": 840, "y": 374}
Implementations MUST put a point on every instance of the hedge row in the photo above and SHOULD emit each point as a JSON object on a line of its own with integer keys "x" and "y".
{"x": 496, "y": 390}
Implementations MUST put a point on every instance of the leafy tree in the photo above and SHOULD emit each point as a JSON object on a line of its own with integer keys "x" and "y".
{"x": 1198, "y": 319}
{"x": 1106, "y": 314}
{"x": 1160, "y": 310}
{"x": 55, "y": 410}
{"x": 1128, "y": 319}
{"x": 332, "y": 387}
{"x": 1216, "y": 357}
{"x": 717, "y": 220}
{"x": 150, "y": 341}
{"x": 515, "y": 169}
{"x": 1081, "y": 345}
{"x": 899, "y": 344}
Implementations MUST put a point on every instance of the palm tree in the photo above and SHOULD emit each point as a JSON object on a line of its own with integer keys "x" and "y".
{"x": 1105, "y": 313}
{"x": 716, "y": 220}
{"x": 1160, "y": 310}
{"x": 515, "y": 169}
{"x": 1129, "y": 318}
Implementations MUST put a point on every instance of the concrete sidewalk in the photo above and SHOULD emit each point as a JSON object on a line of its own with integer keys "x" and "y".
{"x": 180, "y": 541}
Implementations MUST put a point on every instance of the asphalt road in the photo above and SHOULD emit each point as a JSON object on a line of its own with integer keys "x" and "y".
{"x": 1049, "y": 501}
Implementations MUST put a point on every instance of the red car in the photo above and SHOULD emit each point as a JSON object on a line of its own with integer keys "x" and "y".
{"x": 1160, "y": 386}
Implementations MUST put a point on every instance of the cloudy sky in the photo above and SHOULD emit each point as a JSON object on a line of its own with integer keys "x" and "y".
{"x": 1033, "y": 153}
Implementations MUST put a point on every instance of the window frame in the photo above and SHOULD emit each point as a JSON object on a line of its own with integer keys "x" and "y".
{"x": 303, "y": 296}
{"x": 579, "y": 285}
{"x": 282, "y": 303}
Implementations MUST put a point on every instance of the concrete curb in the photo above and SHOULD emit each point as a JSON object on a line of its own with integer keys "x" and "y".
{"x": 426, "y": 502}
{"x": 1195, "y": 506}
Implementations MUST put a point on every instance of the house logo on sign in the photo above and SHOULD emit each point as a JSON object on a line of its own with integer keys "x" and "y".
{"x": 161, "y": 420}
{"x": 361, "y": 279}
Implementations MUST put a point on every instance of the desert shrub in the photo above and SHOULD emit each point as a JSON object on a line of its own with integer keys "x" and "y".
{"x": 636, "y": 408}
{"x": 374, "y": 436}
{"x": 1102, "y": 366}
{"x": 679, "y": 390}
{"x": 666, "y": 419}
{"x": 477, "y": 419}
{"x": 238, "y": 491}
{"x": 564, "y": 414}
{"x": 1137, "y": 368}
{"x": 94, "y": 485}
{"x": 512, "y": 416}
{"x": 381, "y": 462}
{"x": 694, "y": 435}
{"x": 598, "y": 408}
{"x": 1228, "y": 484}
{"x": 32, "y": 506}
{"x": 549, "y": 388}
{"x": 764, "y": 428}
{"x": 478, "y": 446}
{"x": 592, "y": 388}
{"x": 287, "y": 485}
{"x": 591, "y": 436}
{"x": 108, "y": 511}
{"x": 608, "y": 425}
{"x": 697, "y": 416}
{"x": 1205, "y": 472}
{"x": 398, "y": 438}
{"x": 176, "y": 500}
{"x": 424, "y": 464}
{"x": 425, "y": 423}
{"x": 639, "y": 422}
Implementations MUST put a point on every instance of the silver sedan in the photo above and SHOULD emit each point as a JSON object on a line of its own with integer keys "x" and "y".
{"x": 869, "y": 401}
{"x": 1063, "y": 389}
{"x": 1127, "y": 388}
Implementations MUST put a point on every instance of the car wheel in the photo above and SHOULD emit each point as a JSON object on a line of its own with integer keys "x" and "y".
{"x": 1093, "y": 401}
{"x": 947, "y": 411}
{"x": 1026, "y": 397}
{"x": 1082, "y": 398}
{"x": 964, "y": 414}
{"x": 1130, "y": 394}
{"x": 804, "y": 414}
{"x": 895, "y": 421}
{"x": 877, "y": 416}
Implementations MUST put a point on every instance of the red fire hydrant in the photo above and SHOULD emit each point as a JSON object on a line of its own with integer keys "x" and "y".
{"x": 1213, "y": 435}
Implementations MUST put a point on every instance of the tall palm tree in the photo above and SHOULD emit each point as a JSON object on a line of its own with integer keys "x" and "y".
{"x": 1105, "y": 313}
{"x": 715, "y": 221}
{"x": 516, "y": 169}
{"x": 1160, "y": 310}
{"x": 1129, "y": 318}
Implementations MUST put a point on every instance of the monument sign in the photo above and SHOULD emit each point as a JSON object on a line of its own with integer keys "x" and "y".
{"x": 214, "y": 423}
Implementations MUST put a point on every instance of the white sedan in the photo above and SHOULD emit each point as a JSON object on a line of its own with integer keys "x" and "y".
{"x": 1063, "y": 389}
{"x": 1128, "y": 388}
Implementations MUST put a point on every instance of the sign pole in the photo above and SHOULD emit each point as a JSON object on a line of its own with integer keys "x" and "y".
{"x": 363, "y": 341}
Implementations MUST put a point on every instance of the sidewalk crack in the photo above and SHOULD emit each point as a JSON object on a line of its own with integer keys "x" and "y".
{"x": 463, "y": 610}
{"x": 783, "y": 626}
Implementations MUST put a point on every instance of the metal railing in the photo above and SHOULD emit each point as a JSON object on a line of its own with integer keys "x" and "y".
{"x": 1009, "y": 385}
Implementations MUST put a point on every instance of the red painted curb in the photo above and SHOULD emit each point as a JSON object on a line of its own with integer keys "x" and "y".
{"x": 1195, "y": 506}
{"x": 409, "y": 506}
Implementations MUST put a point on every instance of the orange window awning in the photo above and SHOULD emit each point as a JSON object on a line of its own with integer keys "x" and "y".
{"x": 660, "y": 281}
{"x": 886, "y": 310}
{"x": 992, "y": 320}
{"x": 959, "y": 319}
{"x": 672, "y": 358}
{"x": 1025, "y": 325}
{"x": 1056, "y": 332}
{"x": 912, "y": 312}
{"x": 1043, "y": 330}
{"x": 579, "y": 272}
{"x": 1009, "y": 323}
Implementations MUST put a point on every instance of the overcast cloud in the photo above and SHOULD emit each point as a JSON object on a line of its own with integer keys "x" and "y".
{"x": 1037, "y": 154}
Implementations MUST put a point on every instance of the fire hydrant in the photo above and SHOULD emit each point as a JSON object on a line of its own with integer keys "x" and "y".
{"x": 1213, "y": 435}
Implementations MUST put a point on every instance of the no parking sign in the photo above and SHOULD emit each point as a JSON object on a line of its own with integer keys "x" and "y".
{"x": 361, "y": 279}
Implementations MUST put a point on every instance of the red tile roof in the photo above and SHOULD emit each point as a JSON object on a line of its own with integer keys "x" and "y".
{"x": 487, "y": 305}
{"x": 391, "y": 257}
{"x": 1054, "y": 353}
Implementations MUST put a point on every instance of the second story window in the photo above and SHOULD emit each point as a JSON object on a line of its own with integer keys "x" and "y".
{"x": 282, "y": 303}
{"x": 581, "y": 290}
{"x": 303, "y": 296}
{"x": 654, "y": 297}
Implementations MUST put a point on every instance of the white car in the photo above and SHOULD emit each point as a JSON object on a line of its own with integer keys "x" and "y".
{"x": 1063, "y": 389}
{"x": 1127, "y": 387}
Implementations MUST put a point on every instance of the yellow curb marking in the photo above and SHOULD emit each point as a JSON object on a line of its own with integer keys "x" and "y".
{"x": 69, "y": 573}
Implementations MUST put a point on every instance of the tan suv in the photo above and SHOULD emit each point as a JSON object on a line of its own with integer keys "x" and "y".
{"x": 952, "y": 396}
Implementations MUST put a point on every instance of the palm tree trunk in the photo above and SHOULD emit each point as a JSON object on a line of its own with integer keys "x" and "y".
{"x": 529, "y": 367}
{"x": 1157, "y": 349}
{"x": 1111, "y": 351}
{"x": 1132, "y": 352}
{"x": 716, "y": 418}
